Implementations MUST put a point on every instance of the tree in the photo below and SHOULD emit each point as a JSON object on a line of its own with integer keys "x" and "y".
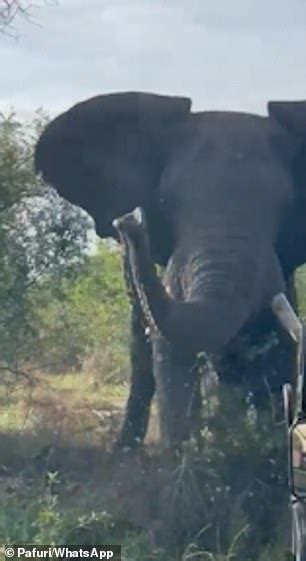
{"x": 41, "y": 237}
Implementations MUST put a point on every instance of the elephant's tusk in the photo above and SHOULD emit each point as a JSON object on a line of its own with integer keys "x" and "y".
{"x": 287, "y": 317}
{"x": 292, "y": 324}
{"x": 134, "y": 218}
{"x": 125, "y": 225}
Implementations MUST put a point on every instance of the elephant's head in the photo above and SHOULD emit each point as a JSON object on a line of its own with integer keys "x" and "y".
{"x": 231, "y": 185}
{"x": 107, "y": 154}
{"x": 235, "y": 188}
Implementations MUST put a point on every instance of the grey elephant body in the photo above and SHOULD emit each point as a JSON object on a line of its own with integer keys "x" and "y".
{"x": 224, "y": 198}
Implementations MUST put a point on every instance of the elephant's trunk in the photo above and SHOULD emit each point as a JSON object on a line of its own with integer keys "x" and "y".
{"x": 220, "y": 290}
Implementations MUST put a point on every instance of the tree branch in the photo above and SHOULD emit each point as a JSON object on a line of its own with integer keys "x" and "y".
{"x": 11, "y": 9}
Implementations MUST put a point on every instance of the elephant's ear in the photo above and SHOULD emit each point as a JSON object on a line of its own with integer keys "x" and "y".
{"x": 105, "y": 154}
{"x": 291, "y": 115}
{"x": 145, "y": 107}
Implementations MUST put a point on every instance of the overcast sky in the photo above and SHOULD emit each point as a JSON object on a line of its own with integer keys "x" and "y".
{"x": 232, "y": 54}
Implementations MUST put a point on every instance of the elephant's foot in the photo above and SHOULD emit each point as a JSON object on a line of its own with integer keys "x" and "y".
{"x": 126, "y": 444}
{"x": 127, "y": 440}
{"x": 135, "y": 425}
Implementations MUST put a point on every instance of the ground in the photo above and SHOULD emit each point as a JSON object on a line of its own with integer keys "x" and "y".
{"x": 62, "y": 482}
{"x": 58, "y": 462}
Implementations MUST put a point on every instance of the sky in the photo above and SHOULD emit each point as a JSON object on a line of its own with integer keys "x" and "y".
{"x": 224, "y": 54}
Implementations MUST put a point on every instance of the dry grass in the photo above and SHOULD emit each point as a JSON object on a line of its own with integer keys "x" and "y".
{"x": 66, "y": 424}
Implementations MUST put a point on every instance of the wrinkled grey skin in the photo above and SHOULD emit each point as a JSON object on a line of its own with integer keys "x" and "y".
{"x": 224, "y": 199}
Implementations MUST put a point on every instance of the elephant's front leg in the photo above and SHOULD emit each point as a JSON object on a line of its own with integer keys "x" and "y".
{"x": 142, "y": 388}
{"x": 178, "y": 393}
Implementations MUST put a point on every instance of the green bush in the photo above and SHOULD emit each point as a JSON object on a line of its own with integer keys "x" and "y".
{"x": 42, "y": 521}
{"x": 82, "y": 320}
{"x": 301, "y": 290}
{"x": 63, "y": 304}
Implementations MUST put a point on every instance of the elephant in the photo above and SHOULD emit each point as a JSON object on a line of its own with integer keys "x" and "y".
{"x": 221, "y": 199}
